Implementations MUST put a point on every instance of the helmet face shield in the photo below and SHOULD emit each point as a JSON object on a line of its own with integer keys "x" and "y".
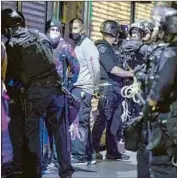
{"x": 137, "y": 31}
{"x": 114, "y": 31}
{"x": 165, "y": 18}
{"x": 149, "y": 26}
{"x": 136, "y": 34}
{"x": 171, "y": 25}
{"x": 110, "y": 27}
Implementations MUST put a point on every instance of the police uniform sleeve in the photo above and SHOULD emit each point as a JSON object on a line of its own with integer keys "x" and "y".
{"x": 166, "y": 76}
{"x": 106, "y": 58}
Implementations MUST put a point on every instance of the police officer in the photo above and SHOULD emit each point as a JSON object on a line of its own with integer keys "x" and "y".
{"x": 149, "y": 26}
{"x": 108, "y": 106}
{"x": 132, "y": 54}
{"x": 16, "y": 124}
{"x": 143, "y": 169}
{"x": 63, "y": 53}
{"x": 124, "y": 29}
{"x": 40, "y": 96}
{"x": 139, "y": 42}
{"x": 162, "y": 97}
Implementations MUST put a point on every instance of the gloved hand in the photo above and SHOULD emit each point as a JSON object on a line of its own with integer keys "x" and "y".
{"x": 97, "y": 93}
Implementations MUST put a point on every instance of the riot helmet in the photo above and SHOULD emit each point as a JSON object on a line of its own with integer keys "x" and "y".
{"x": 123, "y": 31}
{"x": 23, "y": 24}
{"x": 9, "y": 19}
{"x": 53, "y": 23}
{"x": 165, "y": 20}
{"x": 171, "y": 22}
{"x": 110, "y": 27}
{"x": 149, "y": 26}
{"x": 137, "y": 28}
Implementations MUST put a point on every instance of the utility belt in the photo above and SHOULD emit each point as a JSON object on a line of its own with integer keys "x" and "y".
{"x": 163, "y": 140}
{"x": 111, "y": 86}
{"x": 51, "y": 79}
{"x": 132, "y": 133}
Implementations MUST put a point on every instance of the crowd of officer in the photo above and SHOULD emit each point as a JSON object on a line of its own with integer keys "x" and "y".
{"x": 147, "y": 53}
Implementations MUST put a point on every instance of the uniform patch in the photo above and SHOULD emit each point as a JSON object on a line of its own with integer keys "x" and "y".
{"x": 102, "y": 49}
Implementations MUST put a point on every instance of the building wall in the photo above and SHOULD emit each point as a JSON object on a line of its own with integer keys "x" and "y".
{"x": 108, "y": 10}
{"x": 143, "y": 11}
{"x": 9, "y": 4}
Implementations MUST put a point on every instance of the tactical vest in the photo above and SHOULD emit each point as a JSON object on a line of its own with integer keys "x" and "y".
{"x": 164, "y": 131}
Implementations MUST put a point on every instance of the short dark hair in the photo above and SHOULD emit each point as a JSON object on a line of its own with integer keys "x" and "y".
{"x": 77, "y": 18}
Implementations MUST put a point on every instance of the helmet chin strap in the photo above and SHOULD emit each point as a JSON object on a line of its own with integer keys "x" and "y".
{"x": 8, "y": 32}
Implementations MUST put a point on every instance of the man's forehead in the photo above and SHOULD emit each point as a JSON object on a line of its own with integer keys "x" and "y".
{"x": 76, "y": 23}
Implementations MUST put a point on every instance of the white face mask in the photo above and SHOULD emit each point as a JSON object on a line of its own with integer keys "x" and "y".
{"x": 54, "y": 35}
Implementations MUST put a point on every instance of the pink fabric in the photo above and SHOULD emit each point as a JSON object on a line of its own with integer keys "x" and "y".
{"x": 4, "y": 107}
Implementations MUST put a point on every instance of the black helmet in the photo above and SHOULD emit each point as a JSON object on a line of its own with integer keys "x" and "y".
{"x": 149, "y": 26}
{"x": 171, "y": 22}
{"x": 23, "y": 24}
{"x": 137, "y": 25}
{"x": 165, "y": 18}
{"x": 110, "y": 27}
{"x": 158, "y": 15}
{"x": 10, "y": 18}
{"x": 124, "y": 28}
{"x": 123, "y": 31}
{"x": 53, "y": 23}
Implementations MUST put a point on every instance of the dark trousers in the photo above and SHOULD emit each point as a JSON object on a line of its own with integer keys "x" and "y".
{"x": 110, "y": 111}
{"x": 161, "y": 163}
{"x": 143, "y": 167}
{"x": 72, "y": 109}
{"x": 45, "y": 145}
{"x": 82, "y": 150}
{"x": 16, "y": 132}
{"x": 40, "y": 100}
{"x": 162, "y": 167}
{"x": 134, "y": 108}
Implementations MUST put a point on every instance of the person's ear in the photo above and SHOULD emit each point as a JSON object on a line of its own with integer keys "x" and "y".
{"x": 83, "y": 29}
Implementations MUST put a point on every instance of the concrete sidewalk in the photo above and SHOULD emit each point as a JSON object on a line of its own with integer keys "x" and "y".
{"x": 105, "y": 169}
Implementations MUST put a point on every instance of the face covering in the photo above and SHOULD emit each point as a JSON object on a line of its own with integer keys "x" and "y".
{"x": 53, "y": 35}
{"x": 75, "y": 36}
{"x": 54, "y": 39}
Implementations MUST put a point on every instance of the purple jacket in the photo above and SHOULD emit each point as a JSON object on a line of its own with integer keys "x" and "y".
{"x": 64, "y": 51}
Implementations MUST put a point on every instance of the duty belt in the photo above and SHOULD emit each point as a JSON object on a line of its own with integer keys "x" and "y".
{"x": 44, "y": 81}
